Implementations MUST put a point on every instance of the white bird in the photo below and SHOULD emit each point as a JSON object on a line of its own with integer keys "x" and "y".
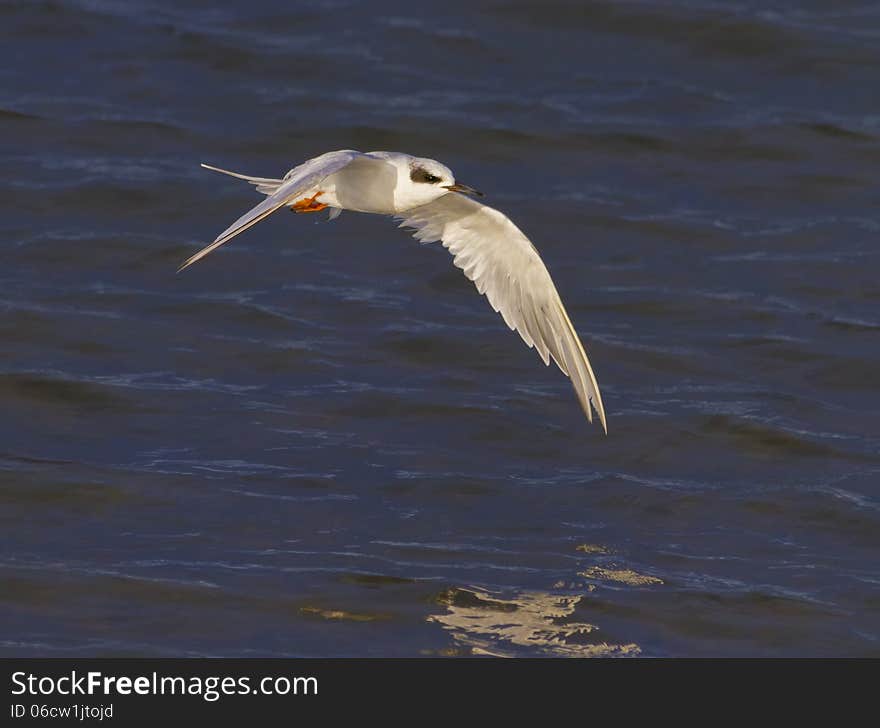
{"x": 424, "y": 196}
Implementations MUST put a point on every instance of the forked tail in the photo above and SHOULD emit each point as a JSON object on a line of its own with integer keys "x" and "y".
{"x": 266, "y": 185}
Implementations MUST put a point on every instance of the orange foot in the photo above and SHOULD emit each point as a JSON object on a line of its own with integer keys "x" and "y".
{"x": 309, "y": 204}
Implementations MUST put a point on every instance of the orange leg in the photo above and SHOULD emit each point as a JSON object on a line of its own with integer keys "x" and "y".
{"x": 310, "y": 204}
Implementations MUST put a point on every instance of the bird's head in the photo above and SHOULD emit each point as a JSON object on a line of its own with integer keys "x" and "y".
{"x": 426, "y": 180}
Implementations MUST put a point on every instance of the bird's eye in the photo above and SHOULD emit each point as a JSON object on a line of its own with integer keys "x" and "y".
{"x": 420, "y": 174}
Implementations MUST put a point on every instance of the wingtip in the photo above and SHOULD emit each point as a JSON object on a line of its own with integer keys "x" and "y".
{"x": 601, "y": 412}
{"x": 186, "y": 264}
{"x": 589, "y": 408}
{"x": 602, "y": 421}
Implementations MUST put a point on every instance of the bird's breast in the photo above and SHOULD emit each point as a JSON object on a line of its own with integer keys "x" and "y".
{"x": 365, "y": 186}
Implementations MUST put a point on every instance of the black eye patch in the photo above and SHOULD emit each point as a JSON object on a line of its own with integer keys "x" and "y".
{"x": 421, "y": 175}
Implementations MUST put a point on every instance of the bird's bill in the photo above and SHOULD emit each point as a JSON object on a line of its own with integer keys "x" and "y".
{"x": 464, "y": 189}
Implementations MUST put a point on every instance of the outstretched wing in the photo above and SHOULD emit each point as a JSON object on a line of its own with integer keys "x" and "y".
{"x": 504, "y": 265}
{"x": 295, "y": 182}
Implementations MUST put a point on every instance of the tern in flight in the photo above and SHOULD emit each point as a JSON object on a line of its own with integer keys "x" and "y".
{"x": 424, "y": 196}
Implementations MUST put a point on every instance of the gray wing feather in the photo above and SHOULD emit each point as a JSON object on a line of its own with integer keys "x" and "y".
{"x": 295, "y": 182}
{"x": 507, "y": 269}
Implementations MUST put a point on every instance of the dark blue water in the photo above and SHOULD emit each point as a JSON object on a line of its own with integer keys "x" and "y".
{"x": 321, "y": 441}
